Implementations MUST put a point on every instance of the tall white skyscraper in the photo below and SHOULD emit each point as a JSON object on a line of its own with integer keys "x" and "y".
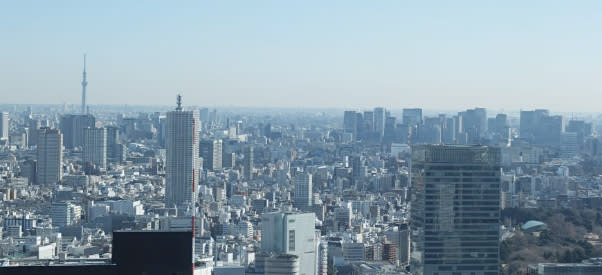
{"x": 95, "y": 146}
{"x": 49, "y": 155}
{"x": 291, "y": 233}
{"x": 183, "y": 162}
{"x": 303, "y": 191}
{"x": 3, "y": 125}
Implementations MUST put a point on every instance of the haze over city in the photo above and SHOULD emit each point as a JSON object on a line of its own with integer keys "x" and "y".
{"x": 300, "y": 137}
{"x": 348, "y": 54}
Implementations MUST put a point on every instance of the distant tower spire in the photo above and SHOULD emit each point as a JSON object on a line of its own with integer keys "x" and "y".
{"x": 179, "y": 108}
{"x": 84, "y": 84}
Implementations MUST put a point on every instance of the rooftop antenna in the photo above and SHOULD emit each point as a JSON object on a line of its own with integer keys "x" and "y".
{"x": 179, "y": 102}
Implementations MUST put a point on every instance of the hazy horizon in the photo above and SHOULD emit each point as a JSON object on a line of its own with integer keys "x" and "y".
{"x": 338, "y": 54}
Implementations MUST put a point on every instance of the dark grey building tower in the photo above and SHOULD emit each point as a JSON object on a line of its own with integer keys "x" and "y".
{"x": 455, "y": 210}
{"x": 72, "y": 127}
{"x": 49, "y": 156}
{"x": 350, "y": 123}
{"x": 248, "y": 163}
{"x": 115, "y": 150}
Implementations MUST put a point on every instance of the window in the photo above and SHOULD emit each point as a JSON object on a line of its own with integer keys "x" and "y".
{"x": 291, "y": 240}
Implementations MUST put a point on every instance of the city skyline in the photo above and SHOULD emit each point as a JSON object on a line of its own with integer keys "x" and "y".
{"x": 348, "y": 54}
{"x": 308, "y": 137}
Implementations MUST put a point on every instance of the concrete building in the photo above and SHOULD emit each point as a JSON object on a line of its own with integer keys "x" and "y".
{"x": 248, "y": 163}
{"x": 291, "y": 233}
{"x": 65, "y": 214}
{"x": 49, "y": 156}
{"x": 95, "y": 147}
{"x": 538, "y": 127}
{"x": 4, "y": 126}
{"x": 277, "y": 264}
{"x": 183, "y": 161}
{"x": 412, "y": 116}
{"x": 303, "y": 191}
{"x": 588, "y": 267}
{"x": 379, "y": 121}
{"x": 474, "y": 124}
{"x": 401, "y": 237}
{"x": 322, "y": 259}
{"x": 115, "y": 150}
{"x": 211, "y": 152}
{"x": 72, "y": 127}
{"x": 32, "y": 126}
{"x": 350, "y": 123}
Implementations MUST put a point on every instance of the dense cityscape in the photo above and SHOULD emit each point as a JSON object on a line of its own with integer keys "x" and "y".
{"x": 300, "y": 137}
{"x": 378, "y": 191}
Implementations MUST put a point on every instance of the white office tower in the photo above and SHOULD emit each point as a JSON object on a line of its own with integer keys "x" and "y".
{"x": 49, "y": 155}
{"x": 183, "y": 162}
{"x": 293, "y": 234}
{"x": 455, "y": 210}
{"x": 95, "y": 146}
{"x": 3, "y": 125}
{"x": 303, "y": 191}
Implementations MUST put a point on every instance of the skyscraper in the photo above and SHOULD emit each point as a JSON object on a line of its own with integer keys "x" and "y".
{"x": 379, "y": 121}
{"x": 204, "y": 115}
{"x": 412, "y": 116}
{"x": 33, "y": 125}
{"x": 303, "y": 191}
{"x": 211, "y": 152}
{"x": 3, "y": 125}
{"x": 72, "y": 127}
{"x": 49, "y": 156}
{"x": 291, "y": 233}
{"x": 501, "y": 124}
{"x": 474, "y": 124}
{"x": 248, "y": 163}
{"x": 455, "y": 209}
{"x": 95, "y": 146}
{"x": 540, "y": 128}
{"x": 115, "y": 150}
{"x": 183, "y": 162}
{"x": 350, "y": 123}
{"x": 389, "y": 131}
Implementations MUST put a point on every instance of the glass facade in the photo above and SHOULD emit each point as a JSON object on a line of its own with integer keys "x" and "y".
{"x": 455, "y": 209}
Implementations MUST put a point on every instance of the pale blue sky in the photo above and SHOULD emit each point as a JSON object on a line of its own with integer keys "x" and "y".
{"x": 348, "y": 54}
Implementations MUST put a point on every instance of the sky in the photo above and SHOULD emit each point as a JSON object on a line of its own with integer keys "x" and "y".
{"x": 334, "y": 54}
